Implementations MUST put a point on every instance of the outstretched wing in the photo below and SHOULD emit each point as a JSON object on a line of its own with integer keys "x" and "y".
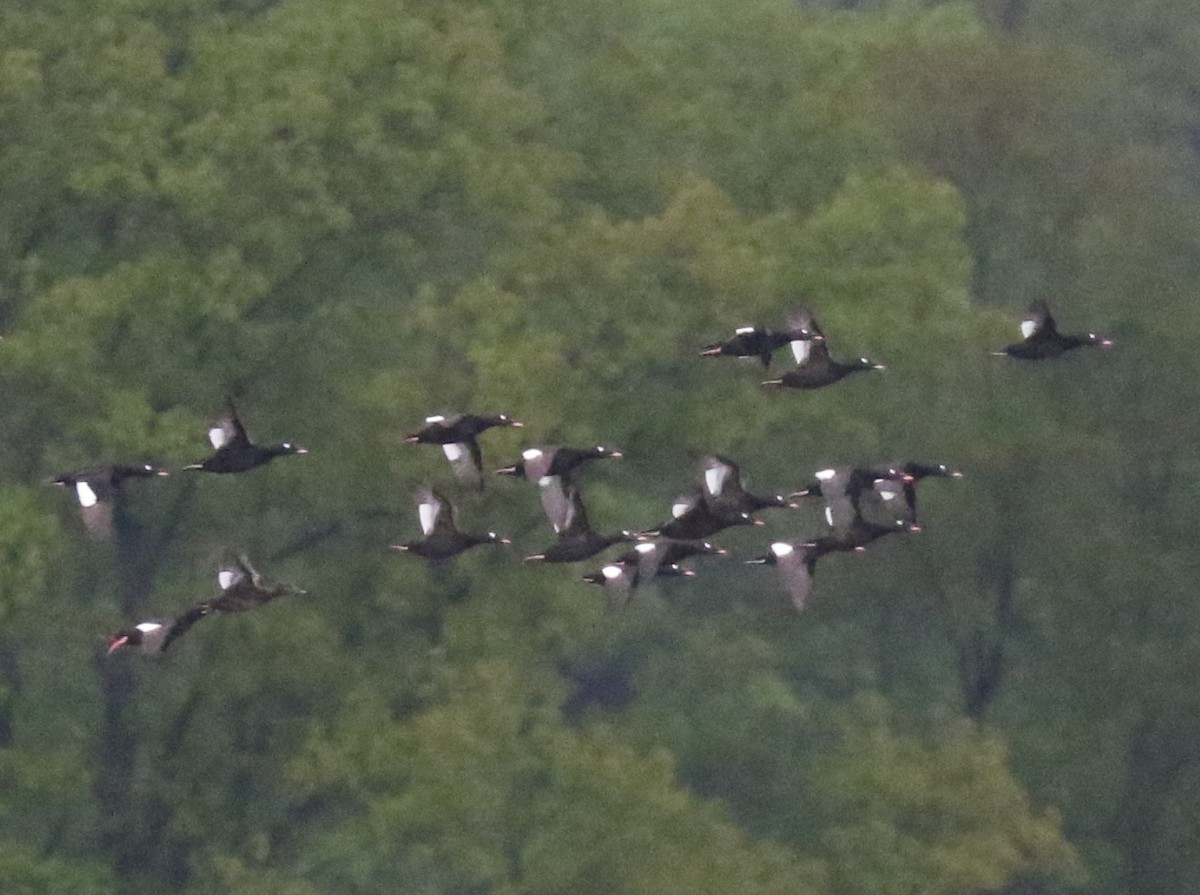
{"x": 1038, "y": 322}
{"x": 720, "y": 474}
{"x": 839, "y": 507}
{"x": 792, "y": 562}
{"x": 228, "y": 429}
{"x": 562, "y": 508}
{"x": 429, "y": 509}
{"x": 466, "y": 461}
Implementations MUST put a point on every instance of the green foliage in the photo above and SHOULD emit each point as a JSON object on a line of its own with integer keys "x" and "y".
{"x": 350, "y": 216}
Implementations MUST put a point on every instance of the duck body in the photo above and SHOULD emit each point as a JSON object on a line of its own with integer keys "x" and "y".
{"x": 620, "y": 578}
{"x": 233, "y": 451}
{"x": 96, "y": 487}
{"x": 1042, "y": 340}
{"x": 243, "y": 589}
{"x": 820, "y": 372}
{"x": 652, "y": 557}
{"x": 695, "y": 520}
{"x": 797, "y": 563}
{"x": 815, "y": 368}
{"x": 458, "y": 435}
{"x": 577, "y": 540}
{"x": 912, "y": 473}
{"x": 750, "y": 341}
{"x": 544, "y": 461}
{"x": 554, "y": 469}
{"x": 760, "y": 342}
{"x": 725, "y": 495}
{"x": 442, "y": 538}
{"x": 153, "y": 636}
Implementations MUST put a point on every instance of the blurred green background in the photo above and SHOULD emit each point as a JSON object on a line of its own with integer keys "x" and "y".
{"x": 350, "y": 215}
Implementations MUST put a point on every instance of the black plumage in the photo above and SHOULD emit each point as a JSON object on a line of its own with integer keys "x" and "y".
{"x": 724, "y": 493}
{"x": 815, "y": 368}
{"x": 233, "y": 451}
{"x": 153, "y": 636}
{"x": 98, "y": 486}
{"x": 1041, "y": 340}
{"x": 577, "y": 540}
{"x": 458, "y": 434}
{"x": 242, "y": 588}
{"x": 554, "y": 470}
{"x": 693, "y": 520}
{"x": 442, "y": 538}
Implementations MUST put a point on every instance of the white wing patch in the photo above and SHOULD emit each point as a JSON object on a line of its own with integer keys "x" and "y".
{"x": 454, "y": 452}
{"x": 218, "y": 437}
{"x": 645, "y": 547}
{"x": 87, "y": 497}
{"x": 714, "y": 478}
{"x": 531, "y": 453}
{"x": 435, "y": 419}
{"x": 612, "y": 572}
{"x": 226, "y": 578}
{"x": 1028, "y": 327}
{"x": 147, "y": 627}
{"x": 801, "y": 349}
{"x": 680, "y": 507}
{"x": 829, "y": 516}
{"x": 427, "y": 513}
{"x": 782, "y": 548}
{"x": 825, "y": 475}
{"x": 742, "y": 330}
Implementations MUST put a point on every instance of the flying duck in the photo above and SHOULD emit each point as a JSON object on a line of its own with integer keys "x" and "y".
{"x": 843, "y": 489}
{"x": 1040, "y": 338}
{"x": 242, "y": 588}
{"x": 620, "y": 578}
{"x": 554, "y": 469}
{"x": 797, "y": 562}
{"x": 442, "y": 539}
{"x": 233, "y": 450}
{"x": 652, "y": 557}
{"x": 693, "y": 519}
{"x": 756, "y": 341}
{"x": 723, "y": 491}
{"x": 155, "y": 635}
{"x": 457, "y": 434}
{"x": 97, "y": 486}
{"x": 576, "y": 538}
{"x": 911, "y": 473}
{"x": 814, "y": 366}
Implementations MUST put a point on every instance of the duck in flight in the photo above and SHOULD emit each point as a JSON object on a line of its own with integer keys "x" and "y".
{"x": 232, "y": 449}
{"x": 458, "y": 435}
{"x": 1040, "y": 338}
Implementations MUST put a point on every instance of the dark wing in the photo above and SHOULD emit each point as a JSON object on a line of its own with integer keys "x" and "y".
{"x": 466, "y": 461}
{"x": 182, "y": 624}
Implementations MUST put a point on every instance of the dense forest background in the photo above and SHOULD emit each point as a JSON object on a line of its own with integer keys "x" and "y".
{"x": 349, "y": 215}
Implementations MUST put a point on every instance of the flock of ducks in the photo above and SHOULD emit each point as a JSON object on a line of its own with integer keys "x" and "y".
{"x": 861, "y": 504}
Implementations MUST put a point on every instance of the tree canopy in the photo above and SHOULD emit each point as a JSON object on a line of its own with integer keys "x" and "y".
{"x": 347, "y": 217}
